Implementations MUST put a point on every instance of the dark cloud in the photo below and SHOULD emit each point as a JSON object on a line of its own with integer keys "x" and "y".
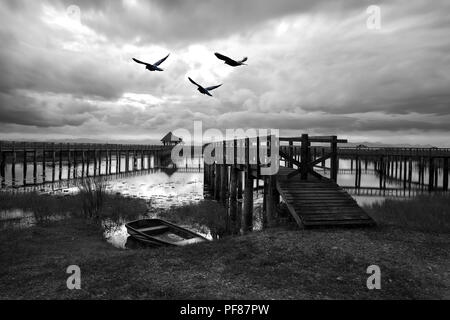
{"x": 28, "y": 111}
{"x": 313, "y": 66}
{"x": 181, "y": 22}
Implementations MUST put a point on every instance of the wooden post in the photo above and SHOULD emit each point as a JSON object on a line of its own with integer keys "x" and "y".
{"x": 258, "y": 163}
{"x": 270, "y": 200}
{"x": 247, "y": 217}
{"x": 405, "y": 171}
{"x": 445, "y": 173}
{"x": 217, "y": 181}
{"x": 334, "y": 160}
{"x": 118, "y": 160}
{"x": 436, "y": 175}
{"x": 360, "y": 173}
{"x": 224, "y": 176}
{"x": 410, "y": 174}
{"x": 106, "y": 160}
{"x": 3, "y": 166}
{"x": 69, "y": 162}
{"x": 25, "y": 164}
{"x": 75, "y": 169}
{"x": 95, "y": 162}
{"x": 430, "y": 174}
{"x": 305, "y": 158}
{"x": 422, "y": 159}
{"x": 380, "y": 171}
{"x": 205, "y": 176}
{"x": 99, "y": 161}
{"x": 13, "y": 167}
{"x": 35, "y": 166}
{"x": 419, "y": 174}
{"x": 43, "y": 163}
{"x": 323, "y": 155}
{"x": 291, "y": 152}
{"x": 247, "y": 222}
{"x": 60, "y": 154}
{"x": 149, "y": 160}
{"x": 53, "y": 163}
{"x": 88, "y": 160}
{"x": 211, "y": 178}
{"x": 233, "y": 198}
{"x": 83, "y": 164}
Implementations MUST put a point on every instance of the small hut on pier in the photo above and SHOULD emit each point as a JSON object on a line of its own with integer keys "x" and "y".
{"x": 171, "y": 140}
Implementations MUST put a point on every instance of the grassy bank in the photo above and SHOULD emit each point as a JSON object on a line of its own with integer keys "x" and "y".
{"x": 274, "y": 264}
{"x": 428, "y": 213}
{"x": 44, "y": 207}
{"x": 280, "y": 263}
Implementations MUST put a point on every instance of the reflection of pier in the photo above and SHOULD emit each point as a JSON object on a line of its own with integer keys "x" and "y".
{"x": 52, "y": 162}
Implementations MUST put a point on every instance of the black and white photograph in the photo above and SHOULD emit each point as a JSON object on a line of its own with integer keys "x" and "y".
{"x": 223, "y": 156}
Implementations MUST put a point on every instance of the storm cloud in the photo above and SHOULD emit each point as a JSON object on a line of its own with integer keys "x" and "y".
{"x": 314, "y": 66}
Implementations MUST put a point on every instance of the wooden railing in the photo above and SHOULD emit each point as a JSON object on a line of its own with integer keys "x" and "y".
{"x": 392, "y": 151}
{"x": 304, "y": 161}
{"x": 10, "y": 146}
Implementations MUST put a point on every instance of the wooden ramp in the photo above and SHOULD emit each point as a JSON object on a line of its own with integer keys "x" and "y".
{"x": 319, "y": 202}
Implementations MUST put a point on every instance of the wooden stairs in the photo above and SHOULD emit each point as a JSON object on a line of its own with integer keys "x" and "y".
{"x": 320, "y": 202}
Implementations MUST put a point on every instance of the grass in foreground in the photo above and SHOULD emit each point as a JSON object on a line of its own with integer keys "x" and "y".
{"x": 274, "y": 264}
{"x": 279, "y": 263}
{"x": 428, "y": 213}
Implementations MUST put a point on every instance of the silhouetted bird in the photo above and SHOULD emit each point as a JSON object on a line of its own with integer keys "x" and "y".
{"x": 230, "y": 61}
{"x": 152, "y": 67}
{"x": 204, "y": 90}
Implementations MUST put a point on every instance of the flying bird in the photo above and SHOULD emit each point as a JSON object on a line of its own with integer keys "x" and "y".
{"x": 204, "y": 90}
{"x": 154, "y": 66}
{"x": 230, "y": 61}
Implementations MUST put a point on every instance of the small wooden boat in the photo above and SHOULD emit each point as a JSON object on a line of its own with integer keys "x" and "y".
{"x": 159, "y": 232}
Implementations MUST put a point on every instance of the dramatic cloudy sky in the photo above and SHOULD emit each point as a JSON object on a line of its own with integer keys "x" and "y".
{"x": 313, "y": 66}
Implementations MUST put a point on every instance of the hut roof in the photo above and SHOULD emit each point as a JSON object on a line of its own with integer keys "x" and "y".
{"x": 170, "y": 137}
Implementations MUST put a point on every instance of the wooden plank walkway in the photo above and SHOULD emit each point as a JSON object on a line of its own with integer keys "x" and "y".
{"x": 319, "y": 202}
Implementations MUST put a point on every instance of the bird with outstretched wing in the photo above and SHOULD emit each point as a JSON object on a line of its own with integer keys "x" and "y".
{"x": 154, "y": 66}
{"x": 202, "y": 89}
{"x": 229, "y": 61}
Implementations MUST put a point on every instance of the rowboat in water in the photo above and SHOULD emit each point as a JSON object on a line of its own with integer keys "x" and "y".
{"x": 160, "y": 232}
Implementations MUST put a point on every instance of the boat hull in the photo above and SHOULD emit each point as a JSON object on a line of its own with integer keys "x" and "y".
{"x": 158, "y": 232}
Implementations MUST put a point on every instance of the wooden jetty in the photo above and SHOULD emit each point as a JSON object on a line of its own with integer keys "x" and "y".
{"x": 398, "y": 164}
{"x": 78, "y": 160}
{"x": 312, "y": 199}
{"x": 319, "y": 202}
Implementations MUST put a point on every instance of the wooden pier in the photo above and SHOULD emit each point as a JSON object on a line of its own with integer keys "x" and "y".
{"x": 398, "y": 164}
{"x": 319, "y": 202}
{"x": 312, "y": 199}
{"x": 72, "y": 161}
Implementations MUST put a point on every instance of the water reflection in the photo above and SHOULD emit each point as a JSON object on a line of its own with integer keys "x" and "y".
{"x": 163, "y": 189}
